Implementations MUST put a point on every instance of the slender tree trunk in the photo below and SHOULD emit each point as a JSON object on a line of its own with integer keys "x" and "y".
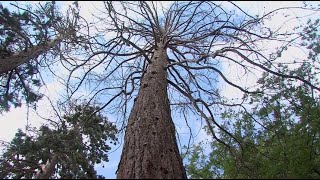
{"x": 150, "y": 148}
{"x": 10, "y": 63}
{"x": 47, "y": 169}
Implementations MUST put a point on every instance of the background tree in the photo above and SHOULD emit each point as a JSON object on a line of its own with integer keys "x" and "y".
{"x": 279, "y": 135}
{"x": 156, "y": 59}
{"x": 66, "y": 149}
{"x": 31, "y": 38}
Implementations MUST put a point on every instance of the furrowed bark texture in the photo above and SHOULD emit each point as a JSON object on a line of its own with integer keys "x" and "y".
{"x": 150, "y": 148}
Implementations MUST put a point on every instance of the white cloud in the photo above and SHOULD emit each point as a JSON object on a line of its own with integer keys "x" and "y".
{"x": 10, "y": 122}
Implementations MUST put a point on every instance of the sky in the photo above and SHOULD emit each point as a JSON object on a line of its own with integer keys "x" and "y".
{"x": 18, "y": 117}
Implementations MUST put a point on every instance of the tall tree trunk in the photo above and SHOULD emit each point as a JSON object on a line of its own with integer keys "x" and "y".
{"x": 150, "y": 148}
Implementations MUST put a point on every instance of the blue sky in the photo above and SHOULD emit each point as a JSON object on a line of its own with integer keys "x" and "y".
{"x": 17, "y": 118}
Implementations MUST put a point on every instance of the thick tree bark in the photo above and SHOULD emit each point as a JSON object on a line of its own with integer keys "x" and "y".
{"x": 10, "y": 63}
{"x": 150, "y": 148}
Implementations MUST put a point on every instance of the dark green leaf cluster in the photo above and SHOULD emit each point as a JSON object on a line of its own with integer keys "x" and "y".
{"x": 17, "y": 162}
{"x": 311, "y": 38}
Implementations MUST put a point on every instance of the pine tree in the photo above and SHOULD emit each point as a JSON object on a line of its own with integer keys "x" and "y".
{"x": 30, "y": 39}
{"x": 69, "y": 149}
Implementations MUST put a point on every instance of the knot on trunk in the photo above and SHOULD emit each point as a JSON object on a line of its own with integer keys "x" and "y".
{"x": 145, "y": 85}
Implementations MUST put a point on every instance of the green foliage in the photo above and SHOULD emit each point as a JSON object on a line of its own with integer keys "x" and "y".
{"x": 287, "y": 146}
{"x": 21, "y": 30}
{"x": 78, "y": 142}
{"x": 280, "y": 136}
